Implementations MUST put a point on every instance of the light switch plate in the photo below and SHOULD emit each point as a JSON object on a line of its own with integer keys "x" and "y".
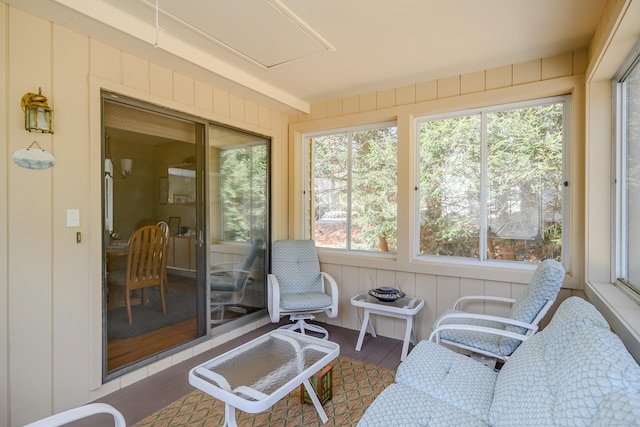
{"x": 73, "y": 217}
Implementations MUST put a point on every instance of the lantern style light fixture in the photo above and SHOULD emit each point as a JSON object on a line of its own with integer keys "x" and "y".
{"x": 38, "y": 116}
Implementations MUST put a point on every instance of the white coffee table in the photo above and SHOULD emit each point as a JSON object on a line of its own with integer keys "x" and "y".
{"x": 403, "y": 308}
{"x": 256, "y": 375}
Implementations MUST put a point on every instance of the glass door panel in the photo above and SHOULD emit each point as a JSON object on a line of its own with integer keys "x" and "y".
{"x": 151, "y": 159}
{"x": 238, "y": 223}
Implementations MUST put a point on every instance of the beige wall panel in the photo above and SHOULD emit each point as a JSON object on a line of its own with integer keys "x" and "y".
{"x": 406, "y": 95}
{"x": 4, "y": 166}
{"x": 183, "y": 89}
{"x": 557, "y": 66}
{"x": 264, "y": 117}
{"x": 29, "y": 229}
{"x": 334, "y": 108}
{"x": 367, "y": 102}
{"x": 449, "y": 87}
{"x": 499, "y": 77}
{"x": 526, "y": 72}
{"x": 236, "y": 107}
{"x": 135, "y": 72}
{"x": 426, "y": 91}
{"x": 221, "y": 102}
{"x": 448, "y": 291}
{"x": 106, "y": 61}
{"x": 580, "y": 62}
{"x": 318, "y": 111}
{"x": 598, "y": 184}
{"x": 203, "y": 96}
{"x": 251, "y": 113}
{"x": 470, "y": 287}
{"x": 473, "y": 82}
{"x": 349, "y": 288}
{"x": 160, "y": 81}
{"x": 426, "y": 288}
{"x": 71, "y": 272}
{"x": 350, "y": 105}
{"x": 497, "y": 289}
{"x": 385, "y": 99}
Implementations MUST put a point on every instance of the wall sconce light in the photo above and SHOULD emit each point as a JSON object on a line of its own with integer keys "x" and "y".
{"x": 127, "y": 165}
{"x": 38, "y": 116}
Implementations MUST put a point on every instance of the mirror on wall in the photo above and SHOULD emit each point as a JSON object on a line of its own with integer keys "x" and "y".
{"x": 181, "y": 183}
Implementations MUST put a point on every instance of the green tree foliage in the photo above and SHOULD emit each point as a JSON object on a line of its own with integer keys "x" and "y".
{"x": 355, "y": 189}
{"x": 522, "y": 195}
{"x": 244, "y": 192}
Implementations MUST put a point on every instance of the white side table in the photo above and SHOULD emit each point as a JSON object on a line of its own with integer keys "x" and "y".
{"x": 402, "y": 308}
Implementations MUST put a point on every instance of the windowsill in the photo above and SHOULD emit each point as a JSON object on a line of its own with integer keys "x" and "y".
{"x": 622, "y": 313}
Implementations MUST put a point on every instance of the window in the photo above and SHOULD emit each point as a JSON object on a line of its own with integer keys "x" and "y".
{"x": 627, "y": 92}
{"x": 491, "y": 182}
{"x": 352, "y": 188}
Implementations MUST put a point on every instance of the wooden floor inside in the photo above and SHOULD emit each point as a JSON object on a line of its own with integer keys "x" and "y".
{"x": 147, "y": 396}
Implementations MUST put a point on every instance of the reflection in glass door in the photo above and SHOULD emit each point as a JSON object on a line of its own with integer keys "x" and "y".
{"x": 151, "y": 163}
{"x": 238, "y": 222}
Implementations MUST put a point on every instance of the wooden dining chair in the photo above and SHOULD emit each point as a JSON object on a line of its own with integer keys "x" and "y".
{"x": 146, "y": 264}
{"x": 165, "y": 228}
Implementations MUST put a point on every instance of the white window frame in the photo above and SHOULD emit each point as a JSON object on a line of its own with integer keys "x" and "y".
{"x": 307, "y": 191}
{"x": 620, "y": 253}
{"x": 566, "y": 173}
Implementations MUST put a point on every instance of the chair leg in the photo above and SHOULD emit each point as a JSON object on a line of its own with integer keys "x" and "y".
{"x": 127, "y": 299}
{"x": 164, "y": 307}
{"x": 301, "y": 325}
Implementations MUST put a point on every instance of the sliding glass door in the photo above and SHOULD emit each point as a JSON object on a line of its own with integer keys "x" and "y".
{"x": 151, "y": 163}
{"x": 207, "y": 187}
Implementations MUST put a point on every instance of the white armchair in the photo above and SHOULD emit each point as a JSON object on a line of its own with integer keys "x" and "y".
{"x": 79, "y": 413}
{"x": 496, "y": 336}
{"x": 298, "y": 288}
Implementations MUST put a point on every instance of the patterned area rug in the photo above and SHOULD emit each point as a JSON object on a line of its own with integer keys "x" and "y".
{"x": 355, "y": 385}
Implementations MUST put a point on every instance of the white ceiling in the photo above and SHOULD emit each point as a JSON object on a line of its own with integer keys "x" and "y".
{"x": 298, "y": 52}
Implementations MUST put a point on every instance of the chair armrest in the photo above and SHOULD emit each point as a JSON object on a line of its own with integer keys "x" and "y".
{"x": 503, "y": 320}
{"x": 273, "y": 298}
{"x": 462, "y": 327}
{"x": 483, "y": 298}
{"x": 333, "y": 312}
{"x": 81, "y": 412}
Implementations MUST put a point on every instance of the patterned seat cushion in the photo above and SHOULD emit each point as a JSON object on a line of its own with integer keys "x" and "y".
{"x": 618, "y": 408}
{"x": 450, "y": 377}
{"x": 531, "y": 362}
{"x": 309, "y": 301}
{"x": 402, "y": 406}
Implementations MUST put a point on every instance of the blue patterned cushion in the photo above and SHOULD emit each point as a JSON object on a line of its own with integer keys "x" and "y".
{"x": 402, "y": 406}
{"x": 525, "y": 370}
{"x": 296, "y": 265}
{"x": 480, "y": 340}
{"x": 451, "y": 377}
{"x": 619, "y": 408}
{"x": 544, "y": 286}
{"x": 596, "y": 363}
{"x": 308, "y": 301}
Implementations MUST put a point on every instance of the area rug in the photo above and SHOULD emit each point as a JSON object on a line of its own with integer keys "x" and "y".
{"x": 355, "y": 386}
{"x": 148, "y": 317}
